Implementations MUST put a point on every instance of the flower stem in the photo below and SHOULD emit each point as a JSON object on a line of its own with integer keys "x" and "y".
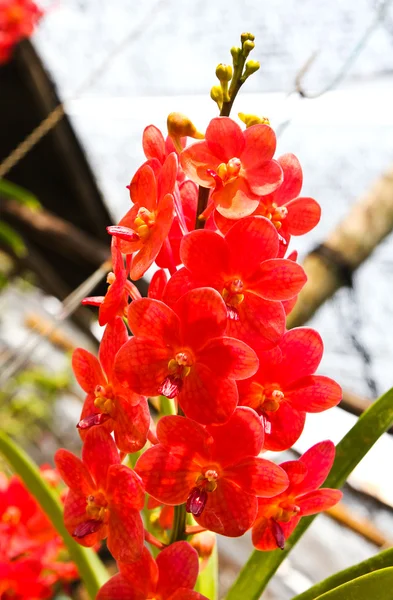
{"x": 179, "y": 524}
{"x": 91, "y": 569}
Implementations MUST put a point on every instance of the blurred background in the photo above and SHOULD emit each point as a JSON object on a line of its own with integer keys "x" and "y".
{"x": 119, "y": 66}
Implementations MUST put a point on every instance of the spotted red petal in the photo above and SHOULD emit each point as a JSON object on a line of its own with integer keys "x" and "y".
{"x": 125, "y": 533}
{"x": 283, "y": 427}
{"x": 280, "y": 279}
{"x": 179, "y": 433}
{"x": 224, "y": 138}
{"x": 87, "y": 370}
{"x": 73, "y": 472}
{"x": 318, "y": 460}
{"x": 99, "y": 452}
{"x": 229, "y": 510}
{"x": 142, "y": 365}
{"x": 153, "y": 143}
{"x": 207, "y": 398}
{"x": 258, "y": 476}
{"x": 118, "y": 588}
{"x": 317, "y": 501}
{"x": 153, "y": 319}
{"x": 260, "y": 145}
{"x": 178, "y": 567}
{"x": 245, "y": 427}
{"x": 228, "y": 357}
{"x": 303, "y": 215}
{"x": 314, "y": 393}
{"x": 169, "y": 477}
{"x": 143, "y": 188}
{"x": 115, "y": 336}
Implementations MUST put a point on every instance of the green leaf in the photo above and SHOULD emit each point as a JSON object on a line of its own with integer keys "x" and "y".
{"x": 9, "y": 237}
{"x": 261, "y": 566}
{"x": 15, "y": 192}
{"x": 379, "y": 561}
{"x": 373, "y": 586}
{"x": 91, "y": 569}
{"x": 207, "y": 583}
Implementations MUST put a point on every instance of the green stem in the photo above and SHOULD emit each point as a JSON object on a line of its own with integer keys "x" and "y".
{"x": 91, "y": 569}
{"x": 261, "y": 566}
{"x": 207, "y": 582}
{"x": 375, "y": 563}
{"x": 179, "y": 524}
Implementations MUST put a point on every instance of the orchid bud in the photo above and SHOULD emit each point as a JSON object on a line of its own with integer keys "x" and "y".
{"x": 249, "y": 120}
{"x": 181, "y": 126}
{"x": 224, "y": 72}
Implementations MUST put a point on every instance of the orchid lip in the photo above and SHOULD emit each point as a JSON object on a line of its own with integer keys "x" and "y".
{"x": 171, "y": 386}
{"x": 91, "y": 420}
{"x": 232, "y": 313}
{"x": 196, "y": 501}
{"x": 278, "y": 534}
{"x": 86, "y": 528}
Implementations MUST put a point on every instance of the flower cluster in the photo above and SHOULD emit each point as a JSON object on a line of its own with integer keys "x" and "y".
{"x": 209, "y": 342}
{"x": 32, "y": 554}
{"x": 18, "y": 19}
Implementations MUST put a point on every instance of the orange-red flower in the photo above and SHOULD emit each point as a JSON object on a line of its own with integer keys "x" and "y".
{"x": 243, "y": 267}
{"x": 215, "y": 470}
{"x": 278, "y": 517}
{"x": 156, "y": 148}
{"x": 183, "y": 353}
{"x": 290, "y": 214}
{"x": 238, "y": 164}
{"x": 108, "y": 403}
{"x": 18, "y": 19}
{"x": 120, "y": 290}
{"x": 172, "y": 576}
{"x": 285, "y": 388}
{"x": 104, "y": 497}
{"x": 144, "y": 229}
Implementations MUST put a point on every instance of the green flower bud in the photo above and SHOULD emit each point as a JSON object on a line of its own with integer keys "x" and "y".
{"x": 247, "y": 36}
{"x": 236, "y": 52}
{"x": 217, "y": 95}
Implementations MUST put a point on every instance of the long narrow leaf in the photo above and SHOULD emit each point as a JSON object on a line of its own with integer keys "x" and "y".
{"x": 379, "y": 561}
{"x": 261, "y": 566}
{"x": 374, "y": 586}
{"x": 91, "y": 569}
{"x": 8, "y": 189}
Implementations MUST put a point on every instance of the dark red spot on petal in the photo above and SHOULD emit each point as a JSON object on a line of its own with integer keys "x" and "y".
{"x": 86, "y": 528}
{"x": 92, "y": 420}
{"x": 196, "y": 501}
{"x": 278, "y": 534}
{"x": 171, "y": 386}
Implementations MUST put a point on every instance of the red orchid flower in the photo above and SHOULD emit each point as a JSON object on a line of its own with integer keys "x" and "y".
{"x": 243, "y": 267}
{"x": 108, "y": 403}
{"x": 238, "y": 164}
{"x": 23, "y": 525}
{"x": 172, "y": 576}
{"x": 288, "y": 213}
{"x": 156, "y": 147}
{"x": 188, "y": 195}
{"x": 119, "y": 292}
{"x": 285, "y": 388}
{"x": 215, "y": 470}
{"x": 22, "y": 579}
{"x": 104, "y": 497}
{"x": 157, "y": 285}
{"x": 144, "y": 229}
{"x": 278, "y": 517}
{"x": 183, "y": 353}
{"x": 18, "y": 19}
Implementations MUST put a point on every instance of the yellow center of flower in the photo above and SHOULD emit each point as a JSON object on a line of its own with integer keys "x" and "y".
{"x": 233, "y": 296}
{"x": 96, "y": 506}
{"x": 181, "y": 364}
{"x": 11, "y": 515}
{"x": 229, "y": 171}
{"x": 143, "y": 223}
{"x": 276, "y": 214}
{"x": 265, "y": 398}
{"x": 104, "y": 399}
